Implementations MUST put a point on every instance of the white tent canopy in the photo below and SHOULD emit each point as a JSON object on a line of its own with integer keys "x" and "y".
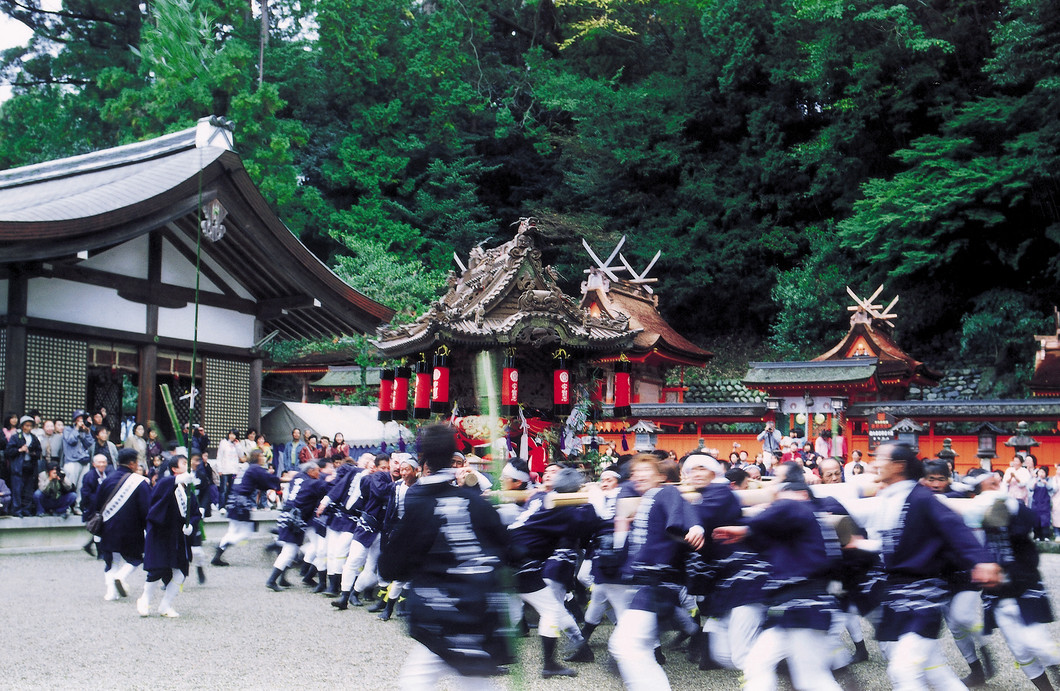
{"x": 357, "y": 423}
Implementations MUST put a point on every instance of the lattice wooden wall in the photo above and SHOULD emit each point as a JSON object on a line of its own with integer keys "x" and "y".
{"x": 3, "y": 357}
{"x": 55, "y": 375}
{"x": 226, "y": 392}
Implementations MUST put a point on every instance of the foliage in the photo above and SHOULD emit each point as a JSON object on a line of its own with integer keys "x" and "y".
{"x": 356, "y": 347}
{"x": 775, "y": 151}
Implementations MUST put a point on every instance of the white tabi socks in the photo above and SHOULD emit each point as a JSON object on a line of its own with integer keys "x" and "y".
{"x": 143, "y": 604}
{"x": 165, "y": 608}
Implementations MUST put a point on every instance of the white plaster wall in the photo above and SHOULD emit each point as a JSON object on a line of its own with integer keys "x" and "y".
{"x": 184, "y": 271}
{"x": 127, "y": 259}
{"x": 178, "y": 271}
{"x": 66, "y": 301}
{"x": 216, "y": 325}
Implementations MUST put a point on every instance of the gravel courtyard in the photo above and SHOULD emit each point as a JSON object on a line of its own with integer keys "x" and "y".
{"x": 58, "y": 633}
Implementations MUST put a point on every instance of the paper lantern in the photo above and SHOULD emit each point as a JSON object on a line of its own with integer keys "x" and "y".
{"x": 440, "y": 382}
{"x": 386, "y": 394}
{"x": 422, "y": 398}
{"x": 623, "y": 388}
{"x": 399, "y": 406}
{"x": 509, "y": 387}
{"x": 561, "y": 385}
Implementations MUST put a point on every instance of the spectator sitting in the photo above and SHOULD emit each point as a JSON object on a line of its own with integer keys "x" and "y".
{"x": 55, "y": 495}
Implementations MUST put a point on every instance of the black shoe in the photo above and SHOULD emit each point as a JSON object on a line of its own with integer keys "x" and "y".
{"x": 583, "y": 653}
{"x": 988, "y": 662}
{"x": 976, "y": 678}
{"x": 1042, "y": 683}
{"x": 659, "y": 657}
{"x": 283, "y": 580}
{"x": 217, "y": 560}
{"x": 695, "y": 646}
{"x": 558, "y": 671}
{"x": 271, "y": 584}
{"x": 202, "y": 574}
{"x": 355, "y": 599}
{"x": 121, "y": 588}
{"x": 861, "y": 653}
{"x": 343, "y": 600}
{"x": 389, "y": 611}
{"x": 378, "y": 606}
{"x": 89, "y": 548}
{"x": 309, "y": 575}
{"x": 334, "y": 583}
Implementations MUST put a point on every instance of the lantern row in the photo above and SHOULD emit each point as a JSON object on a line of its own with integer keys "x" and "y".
{"x": 431, "y": 388}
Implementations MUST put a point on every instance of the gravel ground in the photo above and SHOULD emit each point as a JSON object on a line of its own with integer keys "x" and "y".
{"x": 234, "y": 634}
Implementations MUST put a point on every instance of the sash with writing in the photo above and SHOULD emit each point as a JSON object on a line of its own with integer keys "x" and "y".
{"x": 124, "y": 492}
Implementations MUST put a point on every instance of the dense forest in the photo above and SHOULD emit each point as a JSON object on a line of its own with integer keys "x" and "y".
{"x": 775, "y": 151}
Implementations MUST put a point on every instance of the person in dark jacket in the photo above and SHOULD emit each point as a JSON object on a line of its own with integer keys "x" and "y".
{"x": 171, "y": 521}
{"x": 123, "y": 500}
{"x": 22, "y": 453}
{"x": 364, "y": 548}
{"x": 917, "y": 539}
{"x": 449, "y": 546}
{"x": 657, "y": 539}
{"x": 240, "y": 502}
{"x": 303, "y": 495}
{"x": 336, "y": 508}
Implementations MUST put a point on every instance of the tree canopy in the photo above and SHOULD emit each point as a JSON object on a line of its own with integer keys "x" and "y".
{"x": 776, "y": 151}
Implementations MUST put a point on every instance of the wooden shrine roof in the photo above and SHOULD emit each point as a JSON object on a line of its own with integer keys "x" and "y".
{"x": 506, "y": 298}
{"x": 54, "y": 212}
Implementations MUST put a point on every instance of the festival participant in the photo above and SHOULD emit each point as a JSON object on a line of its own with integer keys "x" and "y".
{"x": 1020, "y": 607}
{"x": 605, "y": 563}
{"x": 171, "y": 521}
{"x": 913, "y": 532}
{"x": 717, "y": 506}
{"x": 658, "y": 537}
{"x": 449, "y": 547}
{"x": 123, "y": 500}
{"x": 364, "y": 547}
{"x": 395, "y": 510}
{"x": 303, "y": 495}
{"x": 964, "y": 609}
{"x": 800, "y": 611}
{"x": 240, "y": 503}
{"x": 535, "y": 536}
{"x": 337, "y": 508}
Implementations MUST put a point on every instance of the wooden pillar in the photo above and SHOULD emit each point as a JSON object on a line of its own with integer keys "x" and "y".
{"x": 254, "y": 414}
{"x": 148, "y": 384}
{"x": 147, "y": 390}
{"x": 15, "y": 362}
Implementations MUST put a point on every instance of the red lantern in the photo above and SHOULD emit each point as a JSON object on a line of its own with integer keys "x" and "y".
{"x": 561, "y": 385}
{"x": 623, "y": 388}
{"x": 399, "y": 406}
{"x": 422, "y": 403}
{"x": 509, "y": 387}
{"x": 386, "y": 393}
{"x": 440, "y": 382}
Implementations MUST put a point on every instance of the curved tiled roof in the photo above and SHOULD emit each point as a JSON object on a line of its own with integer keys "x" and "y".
{"x": 99, "y": 200}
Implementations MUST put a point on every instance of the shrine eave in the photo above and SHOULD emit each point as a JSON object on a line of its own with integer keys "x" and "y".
{"x": 655, "y": 357}
{"x": 773, "y": 375}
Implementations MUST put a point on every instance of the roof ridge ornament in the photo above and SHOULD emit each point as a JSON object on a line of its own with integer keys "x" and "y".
{"x": 210, "y": 129}
{"x": 606, "y": 266}
{"x": 865, "y": 312}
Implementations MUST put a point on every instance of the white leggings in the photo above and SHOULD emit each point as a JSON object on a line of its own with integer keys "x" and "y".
{"x": 633, "y": 646}
{"x": 548, "y": 609}
{"x": 237, "y": 532}
{"x": 732, "y": 637}
{"x": 1031, "y": 644}
{"x": 361, "y": 556}
{"x": 619, "y": 596}
{"x": 915, "y": 663}
{"x": 423, "y": 670}
{"x": 964, "y": 617}
{"x": 809, "y": 670}
{"x": 338, "y": 549}
{"x": 286, "y": 556}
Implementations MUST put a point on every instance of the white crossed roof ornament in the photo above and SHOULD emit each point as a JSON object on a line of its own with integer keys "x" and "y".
{"x": 879, "y": 312}
{"x": 602, "y": 265}
{"x": 642, "y": 277}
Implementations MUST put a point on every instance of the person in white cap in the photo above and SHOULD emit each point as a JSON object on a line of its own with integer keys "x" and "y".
{"x": 409, "y": 469}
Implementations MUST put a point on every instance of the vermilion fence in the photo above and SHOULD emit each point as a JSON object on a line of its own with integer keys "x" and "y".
{"x": 966, "y": 446}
